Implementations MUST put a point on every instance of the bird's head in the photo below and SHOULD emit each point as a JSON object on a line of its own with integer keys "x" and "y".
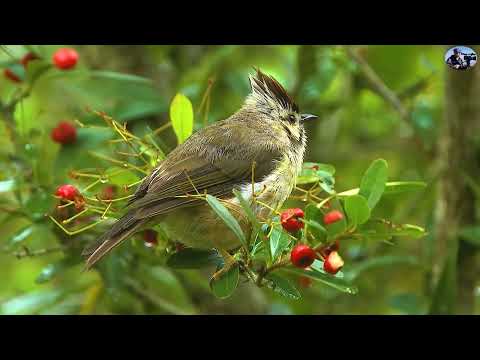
{"x": 271, "y": 99}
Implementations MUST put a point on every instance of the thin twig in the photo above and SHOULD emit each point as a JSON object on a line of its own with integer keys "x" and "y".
{"x": 379, "y": 85}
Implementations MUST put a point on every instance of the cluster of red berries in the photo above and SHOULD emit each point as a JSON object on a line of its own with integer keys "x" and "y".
{"x": 302, "y": 255}
{"x": 63, "y": 59}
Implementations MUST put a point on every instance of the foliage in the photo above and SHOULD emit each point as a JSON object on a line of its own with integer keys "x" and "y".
{"x": 128, "y": 122}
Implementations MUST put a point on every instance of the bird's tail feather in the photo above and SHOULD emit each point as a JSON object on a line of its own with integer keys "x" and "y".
{"x": 120, "y": 231}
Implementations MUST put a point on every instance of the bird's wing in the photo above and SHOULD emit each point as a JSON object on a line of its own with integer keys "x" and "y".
{"x": 215, "y": 167}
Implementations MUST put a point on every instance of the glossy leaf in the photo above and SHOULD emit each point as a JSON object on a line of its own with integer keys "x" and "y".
{"x": 224, "y": 286}
{"x": 398, "y": 187}
{"x": 283, "y": 286}
{"x": 357, "y": 210}
{"x": 328, "y": 280}
{"x": 227, "y": 218}
{"x": 374, "y": 181}
{"x": 248, "y": 211}
{"x": 279, "y": 241}
{"x": 111, "y": 75}
{"x": 194, "y": 259}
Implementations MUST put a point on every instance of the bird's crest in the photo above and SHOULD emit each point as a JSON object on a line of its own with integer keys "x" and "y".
{"x": 267, "y": 90}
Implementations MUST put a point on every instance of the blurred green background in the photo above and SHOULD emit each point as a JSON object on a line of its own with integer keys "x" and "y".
{"x": 435, "y": 139}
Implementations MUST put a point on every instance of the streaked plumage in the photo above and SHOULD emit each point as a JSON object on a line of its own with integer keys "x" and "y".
{"x": 266, "y": 131}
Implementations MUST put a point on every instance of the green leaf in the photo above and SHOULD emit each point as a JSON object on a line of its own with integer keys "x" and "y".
{"x": 194, "y": 259}
{"x": 279, "y": 241}
{"x": 471, "y": 234}
{"x": 325, "y": 279}
{"x": 312, "y": 217}
{"x": 111, "y": 75}
{"x": 392, "y": 187}
{"x": 373, "y": 182}
{"x": 248, "y": 211}
{"x": 181, "y": 115}
{"x": 227, "y": 218}
{"x": 283, "y": 286}
{"x": 397, "y": 187}
{"x": 224, "y": 286}
{"x": 357, "y": 210}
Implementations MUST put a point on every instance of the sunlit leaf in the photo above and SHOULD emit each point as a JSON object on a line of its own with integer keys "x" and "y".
{"x": 397, "y": 187}
{"x": 357, "y": 210}
{"x": 181, "y": 115}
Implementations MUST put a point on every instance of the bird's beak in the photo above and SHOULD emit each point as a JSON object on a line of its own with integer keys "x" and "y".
{"x": 308, "y": 117}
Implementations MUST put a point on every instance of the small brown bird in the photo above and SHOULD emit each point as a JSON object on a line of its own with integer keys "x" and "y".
{"x": 259, "y": 149}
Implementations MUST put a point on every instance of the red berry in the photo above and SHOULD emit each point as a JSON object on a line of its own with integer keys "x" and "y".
{"x": 302, "y": 256}
{"x": 324, "y": 251}
{"x": 9, "y": 74}
{"x": 150, "y": 238}
{"x": 332, "y": 217}
{"x": 333, "y": 263}
{"x": 64, "y": 133}
{"x": 68, "y": 192}
{"x": 305, "y": 281}
{"x": 27, "y": 58}
{"x": 290, "y": 219}
{"x": 65, "y": 58}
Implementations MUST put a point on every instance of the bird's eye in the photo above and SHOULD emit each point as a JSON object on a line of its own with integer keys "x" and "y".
{"x": 291, "y": 118}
